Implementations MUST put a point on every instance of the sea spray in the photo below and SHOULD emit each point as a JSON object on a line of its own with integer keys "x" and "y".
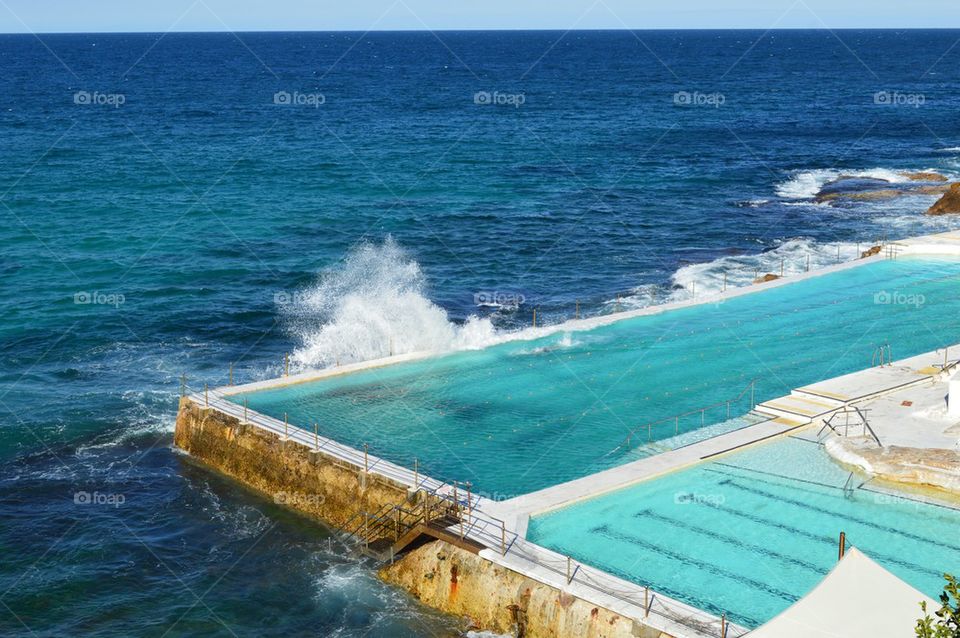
{"x": 710, "y": 278}
{"x": 375, "y": 305}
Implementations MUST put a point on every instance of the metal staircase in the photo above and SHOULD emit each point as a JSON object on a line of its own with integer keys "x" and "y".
{"x": 393, "y": 529}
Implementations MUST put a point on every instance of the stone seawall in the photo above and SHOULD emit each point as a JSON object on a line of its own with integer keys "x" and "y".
{"x": 311, "y": 482}
{"x": 440, "y": 575}
{"x": 498, "y": 599}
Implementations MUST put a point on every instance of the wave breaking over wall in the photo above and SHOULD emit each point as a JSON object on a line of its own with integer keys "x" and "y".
{"x": 373, "y": 305}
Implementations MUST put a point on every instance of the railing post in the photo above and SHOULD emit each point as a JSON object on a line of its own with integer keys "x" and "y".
{"x": 676, "y": 425}
{"x": 245, "y": 410}
{"x": 366, "y": 458}
{"x": 649, "y": 428}
{"x": 703, "y": 416}
{"x": 578, "y": 309}
{"x": 206, "y": 396}
{"x": 286, "y": 364}
{"x": 646, "y": 602}
{"x": 843, "y": 545}
{"x": 416, "y": 475}
{"x": 469, "y": 500}
{"x": 456, "y": 501}
{"x": 230, "y": 380}
{"x": 503, "y": 538}
{"x": 534, "y": 317}
{"x": 316, "y": 436}
{"x": 286, "y": 427}
{"x": 568, "y": 570}
{"x": 753, "y": 403}
{"x": 723, "y": 625}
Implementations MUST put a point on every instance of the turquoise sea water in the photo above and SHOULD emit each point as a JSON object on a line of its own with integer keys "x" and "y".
{"x": 200, "y": 224}
{"x": 750, "y": 533}
{"x": 525, "y": 415}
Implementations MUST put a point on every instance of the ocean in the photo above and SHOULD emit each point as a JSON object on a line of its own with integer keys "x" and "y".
{"x": 180, "y": 204}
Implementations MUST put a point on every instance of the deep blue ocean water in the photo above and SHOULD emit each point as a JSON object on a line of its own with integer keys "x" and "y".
{"x": 174, "y": 204}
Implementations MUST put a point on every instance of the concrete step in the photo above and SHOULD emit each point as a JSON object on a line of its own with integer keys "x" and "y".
{"x": 798, "y": 407}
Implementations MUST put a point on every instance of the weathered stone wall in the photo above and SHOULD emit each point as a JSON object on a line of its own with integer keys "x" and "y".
{"x": 501, "y": 600}
{"x": 313, "y": 483}
{"x": 440, "y": 575}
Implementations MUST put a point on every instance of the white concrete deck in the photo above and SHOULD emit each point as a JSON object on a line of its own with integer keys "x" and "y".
{"x": 915, "y": 417}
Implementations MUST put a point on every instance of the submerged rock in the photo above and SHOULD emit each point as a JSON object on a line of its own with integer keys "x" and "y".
{"x": 949, "y": 203}
{"x": 870, "y": 252}
{"x": 880, "y": 194}
{"x": 924, "y": 176}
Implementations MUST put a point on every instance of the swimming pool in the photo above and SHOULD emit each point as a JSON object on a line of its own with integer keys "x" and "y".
{"x": 752, "y": 532}
{"x": 525, "y": 415}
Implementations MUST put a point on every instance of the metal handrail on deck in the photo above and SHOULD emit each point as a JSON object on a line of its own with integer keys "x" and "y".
{"x": 847, "y": 409}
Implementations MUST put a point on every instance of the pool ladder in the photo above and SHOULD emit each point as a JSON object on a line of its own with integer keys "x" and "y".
{"x": 882, "y": 355}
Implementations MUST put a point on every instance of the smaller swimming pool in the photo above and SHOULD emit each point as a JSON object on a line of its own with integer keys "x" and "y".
{"x": 752, "y": 532}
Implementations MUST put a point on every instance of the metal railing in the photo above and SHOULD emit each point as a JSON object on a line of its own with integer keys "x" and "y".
{"x": 675, "y": 419}
{"x": 847, "y": 411}
{"x": 882, "y": 355}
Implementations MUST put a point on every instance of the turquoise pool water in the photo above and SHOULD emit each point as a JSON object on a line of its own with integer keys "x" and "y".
{"x": 754, "y": 531}
{"x": 526, "y": 415}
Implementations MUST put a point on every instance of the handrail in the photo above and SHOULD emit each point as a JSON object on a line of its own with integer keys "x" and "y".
{"x": 883, "y": 351}
{"x": 847, "y": 408}
{"x": 676, "y": 417}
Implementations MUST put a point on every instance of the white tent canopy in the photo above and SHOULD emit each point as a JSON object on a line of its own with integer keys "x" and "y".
{"x": 857, "y": 599}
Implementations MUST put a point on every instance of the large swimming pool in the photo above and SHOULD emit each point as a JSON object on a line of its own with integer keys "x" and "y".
{"x": 529, "y": 414}
{"x": 752, "y": 532}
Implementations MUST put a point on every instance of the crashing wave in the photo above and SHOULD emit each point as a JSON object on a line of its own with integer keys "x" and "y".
{"x": 375, "y": 305}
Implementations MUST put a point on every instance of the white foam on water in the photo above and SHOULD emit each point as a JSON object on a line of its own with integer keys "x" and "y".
{"x": 376, "y": 305}
{"x": 710, "y": 278}
{"x": 806, "y": 184}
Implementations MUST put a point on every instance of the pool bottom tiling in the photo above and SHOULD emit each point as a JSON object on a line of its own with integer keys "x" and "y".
{"x": 526, "y": 415}
{"x": 752, "y": 532}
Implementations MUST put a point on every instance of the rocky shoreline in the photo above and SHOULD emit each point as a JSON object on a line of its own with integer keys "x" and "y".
{"x": 853, "y": 188}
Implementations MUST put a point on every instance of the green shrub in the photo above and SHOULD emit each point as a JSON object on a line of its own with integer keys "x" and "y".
{"x": 947, "y": 621}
